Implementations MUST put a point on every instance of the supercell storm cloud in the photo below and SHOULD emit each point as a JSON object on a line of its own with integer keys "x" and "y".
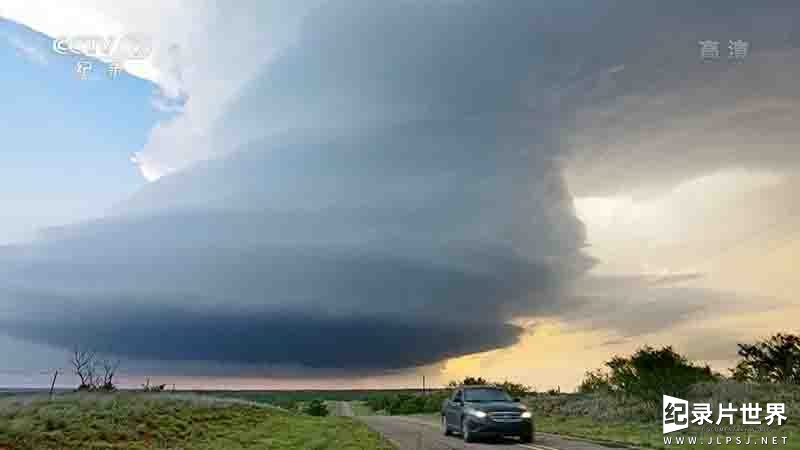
{"x": 387, "y": 193}
{"x": 330, "y": 255}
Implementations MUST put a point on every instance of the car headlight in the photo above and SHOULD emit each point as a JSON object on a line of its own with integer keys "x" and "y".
{"x": 477, "y": 413}
{"x": 526, "y": 415}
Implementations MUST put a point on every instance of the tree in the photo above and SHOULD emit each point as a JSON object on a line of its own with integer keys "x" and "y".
{"x": 316, "y": 407}
{"x": 83, "y": 362}
{"x": 648, "y": 374}
{"x": 595, "y": 381}
{"x": 516, "y": 390}
{"x": 774, "y": 360}
{"x": 468, "y": 381}
{"x": 86, "y": 365}
{"x": 109, "y": 367}
{"x": 513, "y": 389}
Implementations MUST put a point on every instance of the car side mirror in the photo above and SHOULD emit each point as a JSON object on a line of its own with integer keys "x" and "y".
{"x": 516, "y": 399}
{"x": 459, "y": 402}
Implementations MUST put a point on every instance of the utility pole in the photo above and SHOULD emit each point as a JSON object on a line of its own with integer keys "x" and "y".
{"x": 53, "y": 384}
{"x": 423, "y": 385}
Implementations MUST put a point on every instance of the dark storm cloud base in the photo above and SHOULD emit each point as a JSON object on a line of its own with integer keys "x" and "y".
{"x": 351, "y": 344}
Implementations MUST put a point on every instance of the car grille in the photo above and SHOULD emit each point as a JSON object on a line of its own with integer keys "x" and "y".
{"x": 505, "y": 416}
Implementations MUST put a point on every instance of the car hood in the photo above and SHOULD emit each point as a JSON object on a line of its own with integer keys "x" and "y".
{"x": 497, "y": 406}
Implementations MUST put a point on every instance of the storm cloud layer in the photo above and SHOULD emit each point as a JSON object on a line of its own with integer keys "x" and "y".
{"x": 387, "y": 193}
{"x": 350, "y": 254}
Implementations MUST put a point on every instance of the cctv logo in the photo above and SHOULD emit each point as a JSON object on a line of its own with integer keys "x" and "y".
{"x": 125, "y": 47}
{"x": 675, "y": 414}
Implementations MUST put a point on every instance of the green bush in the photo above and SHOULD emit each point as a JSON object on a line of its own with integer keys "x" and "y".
{"x": 513, "y": 389}
{"x": 316, "y": 407}
{"x": 648, "y": 374}
{"x": 468, "y": 381}
{"x": 516, "y": 390}
{"x": 595, "y": 381}
{"x": 407, "y": 403}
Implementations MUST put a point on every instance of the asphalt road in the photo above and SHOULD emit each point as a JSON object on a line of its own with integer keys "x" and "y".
{"x": 341, "y": 409}
{"x": 412, "y": 433}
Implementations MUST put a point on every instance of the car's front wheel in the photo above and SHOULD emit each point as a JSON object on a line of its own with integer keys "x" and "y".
{"x": 526, "y": 438}
{"x": 445, "y": 428}
{"x": 465, "y": 433}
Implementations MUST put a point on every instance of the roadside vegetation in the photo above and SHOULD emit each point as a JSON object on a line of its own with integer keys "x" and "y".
{"x": 622, "y": 401}
{"x": 600, "y": 416}
{"x": 282, "y": 397}
{"x": 431, "y": 401}
{"x": 647, "y": 375}
{"x": 316, "y": 408}
{"x": 164, "y": 421}
{"x": 404, "y": 404}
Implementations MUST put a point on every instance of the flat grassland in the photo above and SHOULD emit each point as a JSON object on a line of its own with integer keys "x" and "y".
{"x": 278, "y": 396}
{"x": 130, "y": 420}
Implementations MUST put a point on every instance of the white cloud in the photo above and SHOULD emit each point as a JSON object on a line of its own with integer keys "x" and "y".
{"x": 203, "y": 52}
{"x": 77, "y": 17}
{"x": 667, "y": 234}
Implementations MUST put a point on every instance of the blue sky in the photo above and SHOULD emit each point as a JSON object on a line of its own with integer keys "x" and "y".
{"x": 67, "y": 142}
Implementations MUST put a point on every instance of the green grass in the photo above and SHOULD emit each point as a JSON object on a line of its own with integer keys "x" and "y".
{"x": 361, "y": 409}
{"x": 305, "y": 395}
{"x": 648, "y": 434}
{"x": 162, "y": 421}
{"x": 603, "y": 417}
{"x": 637, "y": 433}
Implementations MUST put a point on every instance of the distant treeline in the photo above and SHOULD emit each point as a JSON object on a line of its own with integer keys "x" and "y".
{"x": 407, "y": 403}
{"x": 282, "y": 396}
{"x": 431, "y": 402}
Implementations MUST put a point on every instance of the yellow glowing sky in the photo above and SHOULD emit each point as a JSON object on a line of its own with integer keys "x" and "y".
{"x": 704, "y": 226}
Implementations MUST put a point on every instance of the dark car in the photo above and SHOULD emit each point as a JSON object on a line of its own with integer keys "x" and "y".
{"x": 478, "y": 411}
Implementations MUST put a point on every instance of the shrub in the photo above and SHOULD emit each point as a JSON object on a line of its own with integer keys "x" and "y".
{"x": 316, "y": 407}
{"x": 595, "y": 381}
{"x": 513, "y": 389}
{"x": 648, "y": 374}
{"x": 517, "y": 390}
{"x": 468, "y": 381}
{"x": 407, "y": 403}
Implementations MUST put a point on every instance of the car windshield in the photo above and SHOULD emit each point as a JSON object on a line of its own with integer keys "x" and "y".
{"x": 486, "y": 395}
